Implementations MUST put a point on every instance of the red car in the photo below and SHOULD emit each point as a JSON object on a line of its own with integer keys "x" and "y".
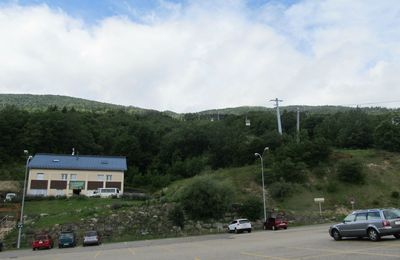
{"x": 278, "y": 222}
{"x": 42, "y": 241}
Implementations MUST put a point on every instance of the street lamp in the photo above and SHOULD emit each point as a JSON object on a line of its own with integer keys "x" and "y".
{"x": 21, "y": 220}
{"x": 262, "y": 175}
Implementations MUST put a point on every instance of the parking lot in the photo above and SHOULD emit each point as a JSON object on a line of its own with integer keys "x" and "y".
{"x": 309, "y": 242}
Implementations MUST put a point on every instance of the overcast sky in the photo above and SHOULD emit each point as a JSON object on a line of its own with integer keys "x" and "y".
{"x": 188, "y": 56}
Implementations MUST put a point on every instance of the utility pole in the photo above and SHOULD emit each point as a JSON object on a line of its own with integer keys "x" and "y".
{"x": 278, "y": 115}
{"x": 298, "y": 126}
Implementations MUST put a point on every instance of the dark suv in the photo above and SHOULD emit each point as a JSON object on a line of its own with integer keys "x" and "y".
{"x": 66, "y": 239}
{"x": 371, "y": 223}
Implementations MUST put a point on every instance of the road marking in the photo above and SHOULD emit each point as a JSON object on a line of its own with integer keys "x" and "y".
{"x": 132, "y": 251}
{"x": 97, "y": 254}
{"x": 264, "y": 256}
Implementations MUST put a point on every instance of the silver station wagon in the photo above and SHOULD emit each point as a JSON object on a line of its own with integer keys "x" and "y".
{"x": 371, "y": 223}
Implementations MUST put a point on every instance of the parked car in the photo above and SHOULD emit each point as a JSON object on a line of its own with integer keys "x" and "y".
{"x": 66, "y": 239}
{"x": 371, "y": 223}
{"x": 239, "y": 225}
{"x": 42, "y": 241}
{"x": 278, "y": 222}
{"x": 108, "y": 192}
{"x": 10, "y": 197}
{"x": 91, "y": 238}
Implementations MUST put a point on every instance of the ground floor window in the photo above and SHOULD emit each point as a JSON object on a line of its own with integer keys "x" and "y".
{"x": 37, "y": 192}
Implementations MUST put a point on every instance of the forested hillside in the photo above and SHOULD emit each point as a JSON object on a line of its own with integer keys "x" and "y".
{"x": 43, "y": 102}
{"x": 161, "y": 148}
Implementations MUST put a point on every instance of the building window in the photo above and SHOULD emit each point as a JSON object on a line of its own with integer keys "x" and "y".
{"x": 100, "y": 177}
{"x": 73, "y": 177}
{"x": 39, "y": 176}
{"x": 109, "y": 177}
{"x": 64, "y": 176}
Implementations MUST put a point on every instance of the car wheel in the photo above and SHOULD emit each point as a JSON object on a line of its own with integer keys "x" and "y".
{"x": 236, "y": 231}
{"x": 373, "y": 235}
{"x": 33, "y": 249}
{"x": 285, "y": 228}
{"x": 397, "y": 236}
{"x": 336, "y": 235}
{"x": 249, "y": 230}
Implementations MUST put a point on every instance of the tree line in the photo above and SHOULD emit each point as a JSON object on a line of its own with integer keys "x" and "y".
{"x": 160, "y": 148}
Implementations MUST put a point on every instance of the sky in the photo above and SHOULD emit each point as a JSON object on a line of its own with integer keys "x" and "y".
{"x": 189, "y": 56}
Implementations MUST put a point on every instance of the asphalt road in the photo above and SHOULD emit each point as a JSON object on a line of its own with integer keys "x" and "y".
{"x": 310, "y": 242}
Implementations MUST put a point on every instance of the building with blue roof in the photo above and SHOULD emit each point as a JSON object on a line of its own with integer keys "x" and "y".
{"x": 66, "y": 175}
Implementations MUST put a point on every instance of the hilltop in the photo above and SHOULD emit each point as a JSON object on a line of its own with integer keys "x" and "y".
{"x": 42, "y": 102}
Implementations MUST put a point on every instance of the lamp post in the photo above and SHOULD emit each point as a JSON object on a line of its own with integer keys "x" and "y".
{"x": 21, "y": 220}
{"x": 262, "y": 175}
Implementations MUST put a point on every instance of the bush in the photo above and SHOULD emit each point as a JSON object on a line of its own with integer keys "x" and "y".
{"x": 252, "y": 208}
{"x": 281, "y": 190}
{"x": 395, "y": 194}
{"x": 332, "y": 187}
{"x": 176, "y": 216}
{"x": 351, "y": 171}
{"x": 289, "y": 171}
{"x": 206, "y": 198}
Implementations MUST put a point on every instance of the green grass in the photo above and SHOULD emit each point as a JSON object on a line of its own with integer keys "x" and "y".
{"x": 47, "y": 213}
{"x": 382, "y": 178}
{"x": 243, "y": 179}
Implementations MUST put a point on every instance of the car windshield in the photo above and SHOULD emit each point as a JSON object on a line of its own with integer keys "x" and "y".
{"x": 66, "y": 235}
{"x": 243, "y": 221}
{"x": 41, "y": 237}
{"x": 391, "y": 213}
{"x": 349, "y": 218}
{"x": 91, "y": 234}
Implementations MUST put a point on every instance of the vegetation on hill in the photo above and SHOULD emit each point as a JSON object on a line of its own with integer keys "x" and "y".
{"x": 161, "y": 149}
{"x": 343, "y": 155}
{"x": 43, "y": 102}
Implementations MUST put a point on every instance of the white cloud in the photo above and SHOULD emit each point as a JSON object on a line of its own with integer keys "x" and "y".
{"x": 206, "y": 56}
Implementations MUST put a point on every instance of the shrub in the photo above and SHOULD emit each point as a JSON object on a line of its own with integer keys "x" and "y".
{"x": 251, "y": 208}
{"x": 332, "y": 187}
{"x": 395, "y": 194}
{"x": 351, "y": 171}
{"x": 281, "y": 190}
{"x": 176, "y": 216}
{"x": 116, "y": 206}
{"x": 206, "y": 198}
{"x": 290, "y": 171}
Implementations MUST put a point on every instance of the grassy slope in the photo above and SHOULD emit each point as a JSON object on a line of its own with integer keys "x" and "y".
{"x": 70, "y": 210}
{"x": 382, "y": 178}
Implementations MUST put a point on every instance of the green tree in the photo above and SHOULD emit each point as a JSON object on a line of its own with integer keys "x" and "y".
{"x": 387, "y": 136}
{"x": 206, "y": 198}
{"x": 351, "y": 171}
{"x": 252, "y": 208}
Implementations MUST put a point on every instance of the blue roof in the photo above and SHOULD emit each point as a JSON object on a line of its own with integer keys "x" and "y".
{"x": 78, "y": 162}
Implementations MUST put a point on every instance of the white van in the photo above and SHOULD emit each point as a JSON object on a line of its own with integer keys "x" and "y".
{"x": 108, "y": 192}
{"x": 10, "y": 197}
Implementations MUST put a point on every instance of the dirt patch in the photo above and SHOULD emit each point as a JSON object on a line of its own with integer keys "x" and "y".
{"x": 9, "y": 186}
